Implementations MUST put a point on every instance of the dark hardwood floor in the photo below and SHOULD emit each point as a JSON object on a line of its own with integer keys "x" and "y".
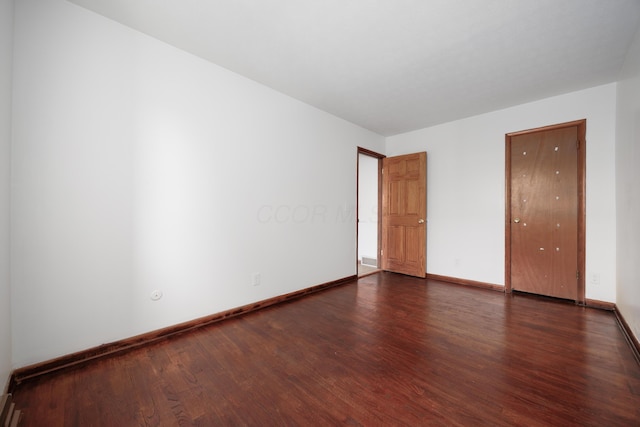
{"x": 385, "y": 350}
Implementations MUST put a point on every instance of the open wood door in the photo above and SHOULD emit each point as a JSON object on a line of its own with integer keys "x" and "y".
{"x": 404, "y": 212}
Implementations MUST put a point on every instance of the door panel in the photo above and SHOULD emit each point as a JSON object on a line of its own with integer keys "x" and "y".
{"x": 395, "y": 249}
{"x": 404, "y": 209}
{"x": 544, "y": 213}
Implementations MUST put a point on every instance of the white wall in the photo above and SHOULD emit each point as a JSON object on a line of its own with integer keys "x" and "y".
{"x": 628, "y": 189}
{"x": 6, "y": 63}
{"x": 466, "y": 186}
{"x": 367, "y": 207}
{"x": 139, "y": 167}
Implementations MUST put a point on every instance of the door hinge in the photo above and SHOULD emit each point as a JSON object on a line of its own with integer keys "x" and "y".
{"x": 578, "y": 144}
{"x": 577, "y": 275}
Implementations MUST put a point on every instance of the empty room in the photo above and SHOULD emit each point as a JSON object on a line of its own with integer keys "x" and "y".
{"x": 432, "y": 217}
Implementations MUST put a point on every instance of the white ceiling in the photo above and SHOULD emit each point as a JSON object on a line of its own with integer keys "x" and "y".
{"x": 394, "y": 66}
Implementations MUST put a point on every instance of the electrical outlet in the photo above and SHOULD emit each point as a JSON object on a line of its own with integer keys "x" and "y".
{"x": 255, "y": 279}
{"x": 595, "y": 279}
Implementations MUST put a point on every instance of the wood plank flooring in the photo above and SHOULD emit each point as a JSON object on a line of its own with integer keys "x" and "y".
{"x": 383, "y": 350}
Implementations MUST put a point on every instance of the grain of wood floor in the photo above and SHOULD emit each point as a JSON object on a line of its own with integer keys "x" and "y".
{"x": 383, "y": 350}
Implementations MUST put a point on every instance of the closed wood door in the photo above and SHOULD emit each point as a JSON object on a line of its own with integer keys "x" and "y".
{"x": 545, "y": 212}
{"x": 404, "y": 210}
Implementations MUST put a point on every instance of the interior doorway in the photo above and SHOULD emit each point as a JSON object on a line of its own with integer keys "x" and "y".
{"x": 545, "y": 211}
{"x": 368, "y": 208}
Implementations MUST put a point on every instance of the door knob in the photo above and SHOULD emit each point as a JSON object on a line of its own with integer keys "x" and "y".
{"x": 516, "y": 220}
{"x": 421, "y": 221}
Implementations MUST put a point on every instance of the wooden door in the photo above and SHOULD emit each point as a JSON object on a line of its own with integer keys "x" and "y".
{"x": 545, "y": 211}
{"x": 404, "y": 210}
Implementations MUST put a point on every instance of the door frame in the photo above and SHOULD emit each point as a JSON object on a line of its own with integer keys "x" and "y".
{"x": 582, "y": 180}
{"x": 378, "y": 156}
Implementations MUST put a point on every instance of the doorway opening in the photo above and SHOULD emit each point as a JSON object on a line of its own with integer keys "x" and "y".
{"x": 368, "y": 208}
